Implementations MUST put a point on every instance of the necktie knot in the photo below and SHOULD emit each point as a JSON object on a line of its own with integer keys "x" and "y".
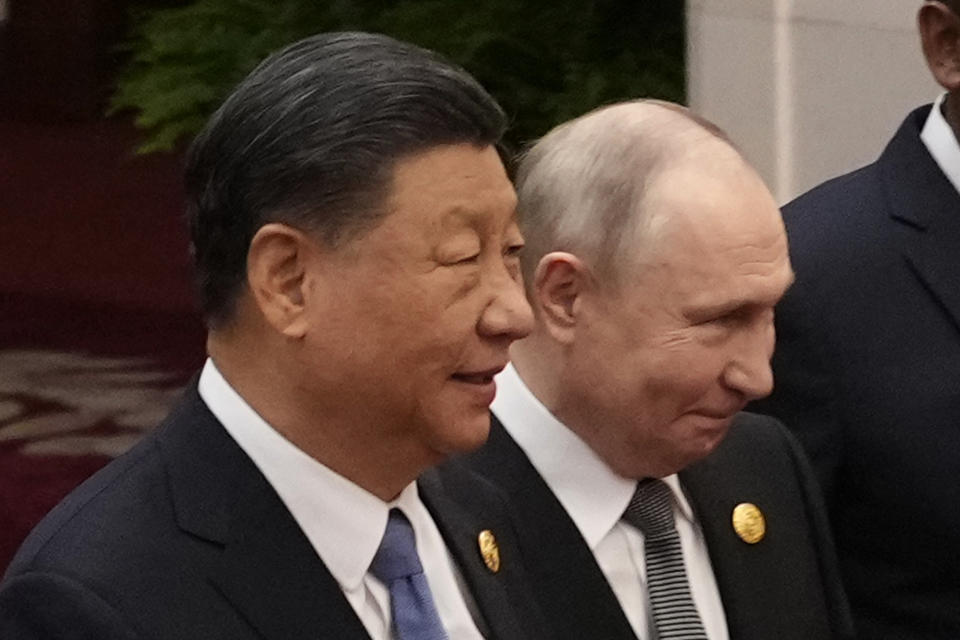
{"x": 651, "y": 508}
{"x": 397, "y": 555}
{"x": 671, "y": 603}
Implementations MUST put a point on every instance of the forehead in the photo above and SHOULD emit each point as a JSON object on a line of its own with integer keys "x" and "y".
{"x": 714, "y": 232}
{"x": 463, "y": 179}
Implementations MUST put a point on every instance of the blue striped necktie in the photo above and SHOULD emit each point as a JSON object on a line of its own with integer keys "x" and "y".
{"x": 397, "y": 565}
{"x": 674, "y": 612}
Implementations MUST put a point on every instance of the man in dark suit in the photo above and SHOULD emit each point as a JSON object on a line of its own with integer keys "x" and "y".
{"x": 867, "y": 361}
{"x": 655, "y": 256}
{"x": 354, "y": 234}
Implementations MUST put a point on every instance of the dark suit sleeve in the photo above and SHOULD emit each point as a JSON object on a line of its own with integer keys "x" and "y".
{"x": 45, "y": 606}
{"x": 806, "y": 383}
{"x": 839, "y": 609}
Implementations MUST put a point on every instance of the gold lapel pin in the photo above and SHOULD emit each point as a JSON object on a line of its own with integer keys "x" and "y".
{"x": 489, "y": 550}
{"x": 749, "y": 523}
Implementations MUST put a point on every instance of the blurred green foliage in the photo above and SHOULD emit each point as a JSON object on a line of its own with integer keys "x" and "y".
{"x": 546, "y": 61}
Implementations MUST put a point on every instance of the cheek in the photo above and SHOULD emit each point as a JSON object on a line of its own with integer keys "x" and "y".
{"x": 683, "y": 377}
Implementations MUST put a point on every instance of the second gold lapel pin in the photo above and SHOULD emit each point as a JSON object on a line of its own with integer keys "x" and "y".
{"x": 749, "y": 523}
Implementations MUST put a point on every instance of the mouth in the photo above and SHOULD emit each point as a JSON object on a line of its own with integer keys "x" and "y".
{"x": 481, "y": 377}
{"x": 715, "y": 421}
{"x": 718, "y": 415}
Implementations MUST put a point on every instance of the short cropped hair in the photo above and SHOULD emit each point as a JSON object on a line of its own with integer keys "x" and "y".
{"x": 310, "y": 138}
{"x": 953, "y": 5}
{"x": 581, "y": 187}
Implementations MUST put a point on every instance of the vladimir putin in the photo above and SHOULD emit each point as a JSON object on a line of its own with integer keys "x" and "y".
{"x": 647, "y": 506}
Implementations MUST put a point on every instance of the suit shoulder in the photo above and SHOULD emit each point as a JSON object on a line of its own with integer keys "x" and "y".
{"x": 838, "y": 219}
{"x": 83, "y": 528}
{"x": 26, "y": 610}
{"x": 827, "y": 198}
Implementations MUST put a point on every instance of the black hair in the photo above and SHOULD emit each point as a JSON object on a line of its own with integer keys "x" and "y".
{"x": 953, "y": 5}
{"x": 310, "y": 138}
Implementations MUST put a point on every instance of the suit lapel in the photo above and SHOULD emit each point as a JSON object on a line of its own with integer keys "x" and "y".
{"x": 774, "y": 588}
{"x": 259, "y": 559}
{"x": 573, "y": 593}
{"x": 926, "y": 206}
{"x": 708, "y": 491}
{"x": 446, "y": 493}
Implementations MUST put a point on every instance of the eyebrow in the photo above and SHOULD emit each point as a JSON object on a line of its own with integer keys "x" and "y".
{"x": 729, "y": 306}
{"x": 466, "y": 215}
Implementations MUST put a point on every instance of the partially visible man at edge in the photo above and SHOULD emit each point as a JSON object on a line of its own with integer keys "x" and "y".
{"x": 868, "y": 358}
{"x": 355, "y": 237}
{"x": 655, "y": 257}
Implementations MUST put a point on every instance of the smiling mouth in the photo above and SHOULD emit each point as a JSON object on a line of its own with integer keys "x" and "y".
{"x": 717, "y": 415}
{"x": 717, "y": 419}
{"x": 477, "y": 377}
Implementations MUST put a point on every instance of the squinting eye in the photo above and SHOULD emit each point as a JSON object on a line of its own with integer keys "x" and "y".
{"x": 720, "y": 321}
{"x": 513, "y": 251}
{"x": 469, "y": 259}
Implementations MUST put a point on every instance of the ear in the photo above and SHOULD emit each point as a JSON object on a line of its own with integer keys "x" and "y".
{"x": 558, "y": 285}
{"x": 276, "y": 274}
{"x": 940, "y": 34}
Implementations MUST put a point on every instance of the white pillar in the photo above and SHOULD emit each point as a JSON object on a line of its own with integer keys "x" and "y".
{"x": 809, "y": 89}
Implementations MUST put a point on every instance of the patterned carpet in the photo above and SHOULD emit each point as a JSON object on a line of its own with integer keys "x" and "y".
{"x": 78, "y": 386}
{"x": 98, "y": 331}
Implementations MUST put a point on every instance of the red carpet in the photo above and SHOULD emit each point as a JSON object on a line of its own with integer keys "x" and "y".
{"x": 97, "y": 325}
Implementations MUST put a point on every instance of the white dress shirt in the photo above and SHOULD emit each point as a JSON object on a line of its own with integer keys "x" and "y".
{"x": 942, "y": 143}
{"x": 342, "y": 521}
{"x": 595, "y": 498}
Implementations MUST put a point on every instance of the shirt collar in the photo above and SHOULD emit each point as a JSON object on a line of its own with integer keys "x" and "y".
{"x": 343, "y": 522}
{"x": 942, "y": 143}
{"x": 593, "y": 495}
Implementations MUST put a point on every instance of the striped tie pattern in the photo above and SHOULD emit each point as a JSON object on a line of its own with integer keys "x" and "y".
{"x": 674, "y": 613}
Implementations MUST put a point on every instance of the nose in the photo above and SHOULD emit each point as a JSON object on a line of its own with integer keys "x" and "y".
{"x": 748, "y": 370}
{"x": 508, "y": 313}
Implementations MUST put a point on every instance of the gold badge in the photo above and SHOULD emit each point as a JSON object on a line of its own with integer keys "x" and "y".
{"x": 489, "y": 550}
{"x": 748, "y": 522}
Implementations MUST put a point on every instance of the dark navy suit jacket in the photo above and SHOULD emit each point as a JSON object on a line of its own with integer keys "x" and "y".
{"x": 867, "y": 373}
{"x": 785, "y": 587}
{"x": 182, "y": 538}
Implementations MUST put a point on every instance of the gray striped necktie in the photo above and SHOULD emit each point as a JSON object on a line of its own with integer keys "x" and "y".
{"x": 674, "y": 613}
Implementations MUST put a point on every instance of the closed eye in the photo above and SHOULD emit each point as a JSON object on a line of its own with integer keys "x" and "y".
{"x": 513, "y": 251}
{"x": 723, "y": 319}
{"x": 469, "y": 259}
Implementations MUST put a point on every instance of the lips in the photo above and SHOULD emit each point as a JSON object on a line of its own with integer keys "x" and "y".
{"x": 717, "y": 415}
{"x": 480, "y": 377}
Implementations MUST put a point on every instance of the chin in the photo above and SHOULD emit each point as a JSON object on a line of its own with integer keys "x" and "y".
{"x": 463, "y": 434}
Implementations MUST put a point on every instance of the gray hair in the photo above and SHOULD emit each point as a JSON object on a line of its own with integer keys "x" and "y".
{"x": 581, "y": 188}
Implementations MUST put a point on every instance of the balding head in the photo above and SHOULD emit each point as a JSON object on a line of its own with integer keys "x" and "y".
{"x": 582, "y": 187}
{"x": 655, "y": 257}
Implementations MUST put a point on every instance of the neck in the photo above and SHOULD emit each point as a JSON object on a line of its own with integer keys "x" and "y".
{"x": 536, "y": 363}
{"x": 328, "y": 429}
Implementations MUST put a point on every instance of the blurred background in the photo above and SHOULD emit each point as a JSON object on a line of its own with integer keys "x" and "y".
{"x": 98, "y": 99}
